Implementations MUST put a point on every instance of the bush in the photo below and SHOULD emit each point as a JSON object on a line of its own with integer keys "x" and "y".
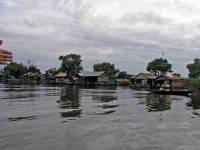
{"x": 193, "y": 83}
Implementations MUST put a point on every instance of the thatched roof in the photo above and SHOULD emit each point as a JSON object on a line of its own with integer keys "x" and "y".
{"x": 145, "y": 76}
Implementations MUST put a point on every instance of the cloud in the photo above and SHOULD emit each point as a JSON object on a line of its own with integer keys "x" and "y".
{"x": 128, "y": 33}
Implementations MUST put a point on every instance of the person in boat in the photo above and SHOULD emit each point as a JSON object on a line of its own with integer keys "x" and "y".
{"x": 5, "y": 55}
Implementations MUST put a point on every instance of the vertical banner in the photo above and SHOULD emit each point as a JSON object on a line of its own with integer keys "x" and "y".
{"x": 5, "y": 56}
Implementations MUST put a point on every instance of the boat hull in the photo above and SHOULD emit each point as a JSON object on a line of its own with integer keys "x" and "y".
{"x": 173, "y": 92}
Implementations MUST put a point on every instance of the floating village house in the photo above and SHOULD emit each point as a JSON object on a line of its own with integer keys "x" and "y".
{"x": 34, "y": 76}
{"x": 96, "y": 78}
{"x": 173, "y": 81}
{"x": 61, "y": 78}
{"x": 145, "y": 80}
{"x": 123, "y": 82}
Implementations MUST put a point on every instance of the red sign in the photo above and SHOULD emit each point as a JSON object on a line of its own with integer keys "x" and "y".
{"x": 5, "y": 56}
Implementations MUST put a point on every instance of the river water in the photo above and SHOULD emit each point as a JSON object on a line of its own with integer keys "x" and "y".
{"x": 72, "y": 118}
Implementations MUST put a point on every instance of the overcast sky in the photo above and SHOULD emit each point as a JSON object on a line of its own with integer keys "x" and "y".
{"x": 128, "y": 33}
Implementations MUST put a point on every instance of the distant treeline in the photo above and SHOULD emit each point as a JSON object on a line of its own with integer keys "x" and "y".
{"x": 71, "y": 64}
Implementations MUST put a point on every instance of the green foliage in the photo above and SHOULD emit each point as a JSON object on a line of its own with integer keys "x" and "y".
{"x": 193, "y": 83}
{"x": 71, "y": 64}
{"x": 194, "y": 69}
{"x": 159, "y": 66}
{"x": 15, "y": 70}
{"x": 107, "y": 67}
{"x": 33, "y": 69}
{"x": 51, "y": 72}
{"x": 123, "y": 75}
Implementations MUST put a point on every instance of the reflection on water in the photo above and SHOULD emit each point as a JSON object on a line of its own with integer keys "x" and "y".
{"x": 194, "y": 103}
{"x": 155, "y": 102}
{"x": 158, "y": 102}
{"x": 70, "y": 117}
{"x": 70, "y": 102}
{"x": 103, "y": 88}
{"x": 108, "y": 106}
{"x": 104, "y": 99}
{"x": 16, "y": 92}
{"x": 106, "y": 112}
{"x": 69, "y": 97}
{"x": 71, "y": 113}
{"x": 23, "y": 118}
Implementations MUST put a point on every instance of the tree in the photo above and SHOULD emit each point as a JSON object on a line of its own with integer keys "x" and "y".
{"x": 15, "y": 70}
{"x": 159, "y": 66}
{"x": 194, "y": 69}
{"x": 51, "y": 72}
{"x": 107, "y": 67}
{"x": 33, "y": 69}
{"x": 71, "y": 64}
{"x": 123, "y": 75}
{"x": 30, "y": 63}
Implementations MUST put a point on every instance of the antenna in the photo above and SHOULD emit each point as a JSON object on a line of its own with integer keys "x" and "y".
{"x": 163, "y": 54}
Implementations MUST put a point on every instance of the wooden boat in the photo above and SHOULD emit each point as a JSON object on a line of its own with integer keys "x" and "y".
{"x": 174, "y": 92}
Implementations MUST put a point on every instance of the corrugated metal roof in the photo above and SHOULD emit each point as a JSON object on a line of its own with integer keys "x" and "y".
{"x": 91, "y": 74}
{"x": 170, "y": 77}
{"x": 173, "y": 78}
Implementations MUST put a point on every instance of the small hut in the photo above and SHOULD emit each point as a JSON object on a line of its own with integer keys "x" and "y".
{"x": 172, "y": 81}
{"x": 91, "y": 78}
{"x": 33, "y": 76}
{"x": 143, "y": 80}
{"x": 96, "y": 78}
{"x": 123, "y": 82}
{"x": 61, "y": 78}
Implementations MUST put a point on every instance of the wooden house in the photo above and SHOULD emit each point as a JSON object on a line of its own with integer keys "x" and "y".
{"x": 146, "y": 80}
{"x": 96, "y": 78}
{"x": 91, "y": 78}
{"x": 172, "y": 81}
{"x": 61, "y": 78}
{"x": 123, "y": 82}
{"x": 35, "y": 77}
